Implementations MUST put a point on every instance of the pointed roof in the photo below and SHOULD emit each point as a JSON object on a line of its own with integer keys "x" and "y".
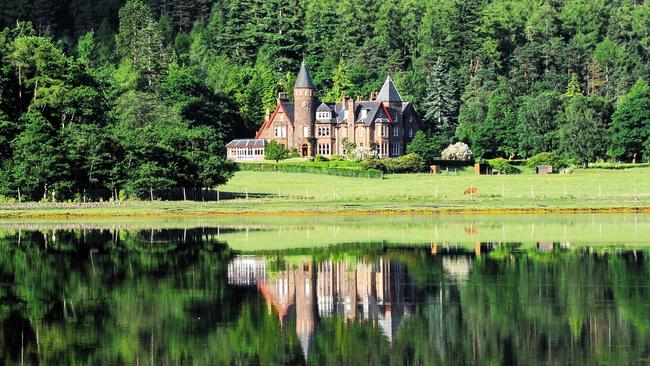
{"x": 388, "y": 92}
{"x": 304, "y": 79}
{"x": 324, "y": 108}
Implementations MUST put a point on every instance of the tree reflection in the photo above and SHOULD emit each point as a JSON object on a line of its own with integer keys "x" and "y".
{"x": 182, "y": 297}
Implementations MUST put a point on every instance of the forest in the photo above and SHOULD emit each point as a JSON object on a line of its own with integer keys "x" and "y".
{"x": 126, "y": 95}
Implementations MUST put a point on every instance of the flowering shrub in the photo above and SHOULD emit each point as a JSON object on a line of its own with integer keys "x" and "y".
{"x": 363, "y": 153}
{"x": 457, "y": 151}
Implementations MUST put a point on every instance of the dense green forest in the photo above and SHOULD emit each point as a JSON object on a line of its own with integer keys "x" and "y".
{"x": 128, "y": 95}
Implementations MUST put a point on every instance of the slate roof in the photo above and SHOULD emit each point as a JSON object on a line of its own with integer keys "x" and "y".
{"x": 304, "y": 79}
{"x": 288, "y": 109}
{"x": 246, "y": 143}
{"x": 324, "y": 108}
{"x": 388, "y": 92}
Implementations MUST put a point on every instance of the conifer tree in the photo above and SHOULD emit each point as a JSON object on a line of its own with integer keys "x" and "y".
{"x": 439, "y": 104}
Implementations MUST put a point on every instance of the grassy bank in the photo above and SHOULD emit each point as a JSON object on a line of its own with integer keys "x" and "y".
{"x": 584, "y": 190}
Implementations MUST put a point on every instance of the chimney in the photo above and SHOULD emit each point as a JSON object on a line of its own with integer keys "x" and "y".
{"x": 283, "y": 97}
{"x": 267, "y": 115}
{"x": 350, "y": 121}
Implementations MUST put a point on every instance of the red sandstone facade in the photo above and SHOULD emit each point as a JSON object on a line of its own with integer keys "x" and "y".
{"x": 311, "y": 127}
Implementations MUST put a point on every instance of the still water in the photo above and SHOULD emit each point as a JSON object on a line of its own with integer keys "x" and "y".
{"x": 355, "y": 290}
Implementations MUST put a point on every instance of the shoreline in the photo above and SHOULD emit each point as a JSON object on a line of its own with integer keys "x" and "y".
{"x": 106, "y": 211}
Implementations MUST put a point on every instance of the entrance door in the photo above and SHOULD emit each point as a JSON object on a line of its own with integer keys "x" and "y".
{"x": 305, "y": 150}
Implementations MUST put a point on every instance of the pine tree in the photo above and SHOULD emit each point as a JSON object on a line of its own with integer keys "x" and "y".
{"x": 439, "y": 104}
{"x": 573, "y": 87}
{"x": 340, "y": 83}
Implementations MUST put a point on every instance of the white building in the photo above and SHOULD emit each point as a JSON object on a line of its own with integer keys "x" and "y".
{"x": 246, "y": 149}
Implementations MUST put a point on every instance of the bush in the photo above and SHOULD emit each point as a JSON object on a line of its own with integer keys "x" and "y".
{"x": 299, "y": 168}
{"x": 363, "y": 153}
{"x": 337, "y": 158}
{"x": 410, "y": 163}
{"x": 457, "y": 151}
{"x": 275, "y": 151}
{"x": 546, "y": 158}
{"x": 6, "y": 200}
{"x": 320, "y": 158}
{"x": 503, "y": 166}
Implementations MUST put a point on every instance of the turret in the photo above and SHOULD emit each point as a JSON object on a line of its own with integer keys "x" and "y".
{"x": 304, "y": 99}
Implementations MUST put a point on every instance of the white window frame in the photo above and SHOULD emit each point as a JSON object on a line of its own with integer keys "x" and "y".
{"x": 324, "y": 149}
{"x": 324, "y": 131}
{"x": 305, "y": 131}
{"x": 280, "y": 131}
{"x": 323, "y": 115}
{"x": 411, "y": 132}
{"x": 396, "y": 131}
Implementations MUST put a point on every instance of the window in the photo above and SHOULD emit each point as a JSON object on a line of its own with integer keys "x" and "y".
{"x": 281, "y": 131}
{"x": 410, "y": 132}
{"x": 395, "y": 131}
{"x": 323, "y": 131}
{"x": 323, "y": 149}
{"x": 345, "y": 114}
{"x": 364, "y": 113}
{"x": 305, "y": 131}
{"x": 383, "y": 149}
{"x": 394, "y": 149}
{"x": 323, "y": 115}
{"x": 384, "y": 131}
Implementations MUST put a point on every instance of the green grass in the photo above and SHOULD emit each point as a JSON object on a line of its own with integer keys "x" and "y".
{"x": 631, "y": 185}
{"x": 313, "y": 193}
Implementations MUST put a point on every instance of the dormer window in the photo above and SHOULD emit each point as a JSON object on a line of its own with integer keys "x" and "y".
{"x": 323, "y": 115}
{"x": 364, "y": 113}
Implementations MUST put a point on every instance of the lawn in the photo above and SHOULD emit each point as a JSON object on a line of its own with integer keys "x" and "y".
{"x": 630, "y": 185}
{"x": 586, "y": 190}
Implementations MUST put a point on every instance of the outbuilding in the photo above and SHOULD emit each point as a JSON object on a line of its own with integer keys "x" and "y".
{"x": 544, "y": 169}
{"x": 246, "y": 149}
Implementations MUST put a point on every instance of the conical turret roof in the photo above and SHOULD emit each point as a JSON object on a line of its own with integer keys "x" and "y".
{"x": 304, "y": 79}
{"x": 388, "y": 92}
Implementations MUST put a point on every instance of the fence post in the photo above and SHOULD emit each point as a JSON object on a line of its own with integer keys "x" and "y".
{"x": 217, "y": 195}
{"x": 151, "y": 193}
{"x": 184, "y": 195}
{"x": 20, "y": 197}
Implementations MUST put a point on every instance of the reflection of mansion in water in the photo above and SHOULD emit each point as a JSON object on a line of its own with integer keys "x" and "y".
{"x": 379, "y": 292}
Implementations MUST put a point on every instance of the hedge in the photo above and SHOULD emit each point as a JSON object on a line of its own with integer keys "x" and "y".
{"x": 294, "y": 168}
{"x": 452, "y": 163}
{"x": 618, "y": 165}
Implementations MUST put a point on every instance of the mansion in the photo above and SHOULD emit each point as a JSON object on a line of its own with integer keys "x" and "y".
{"x": 311, "y": 127}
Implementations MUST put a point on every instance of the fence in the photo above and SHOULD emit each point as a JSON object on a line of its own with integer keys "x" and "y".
{"x": 161, "y": 194}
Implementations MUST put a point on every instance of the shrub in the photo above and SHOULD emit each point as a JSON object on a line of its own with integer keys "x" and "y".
{"x": 275, "y": 151}
{"x": 337, "y": 158}
{"x": 6, "y": 200}
{"x": 300, "y": 168}
{"x": 410, "y": 163}
{"x": 503, "y": 166}
{"x": 320, "y": 158}
{"x": 374, "y": 164}
{"x": 457, "y": 151}
{"x": 546, "y": 158}
{"x": 363, "y": 153}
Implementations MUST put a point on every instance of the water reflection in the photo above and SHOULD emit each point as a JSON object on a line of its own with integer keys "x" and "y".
{"x": 378, "y": 291}
{"x": 184, "y": 296}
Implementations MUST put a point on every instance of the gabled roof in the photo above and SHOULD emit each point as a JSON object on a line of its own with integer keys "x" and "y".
{"x": 304, "y": 79}
{"x": 288, "y": 109}
{"x": 323, "y": 108}
{"x": 388, "y": 92}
